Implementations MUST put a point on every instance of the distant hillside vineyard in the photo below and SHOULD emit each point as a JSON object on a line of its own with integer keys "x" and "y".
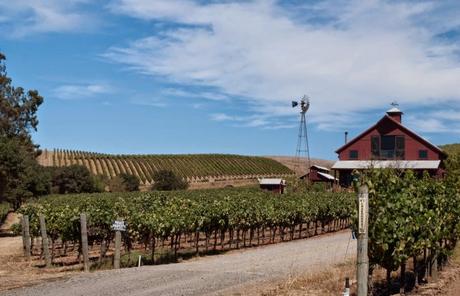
{"x": 451, "y": 148}
{"x": 217, "y": 170}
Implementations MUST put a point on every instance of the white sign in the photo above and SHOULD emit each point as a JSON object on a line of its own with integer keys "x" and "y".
{"x": 119, "y": 225}
{"x": 362, "y": 215}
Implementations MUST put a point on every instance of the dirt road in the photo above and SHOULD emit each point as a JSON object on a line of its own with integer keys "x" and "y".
{"x": 227, "y": 274}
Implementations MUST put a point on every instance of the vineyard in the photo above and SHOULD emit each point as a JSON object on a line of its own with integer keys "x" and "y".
{"x": 198, "y": 168}
{"x": 181, "y": 221}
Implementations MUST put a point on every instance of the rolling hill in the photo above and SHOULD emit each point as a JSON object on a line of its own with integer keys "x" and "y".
{"x": 200, "y": 170}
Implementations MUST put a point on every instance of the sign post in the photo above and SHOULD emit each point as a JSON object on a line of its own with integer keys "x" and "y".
{"x": 118, "y": 226}
{"x": 363, "y": 238}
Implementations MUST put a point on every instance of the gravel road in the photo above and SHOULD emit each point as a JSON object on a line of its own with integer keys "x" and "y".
{"x": 226, "y": 274}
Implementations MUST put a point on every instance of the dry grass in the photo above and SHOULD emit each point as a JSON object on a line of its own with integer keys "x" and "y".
{"x": 291, "y": 163}
{"x": 16, "y": 272}
{"x": 330, "y": 281}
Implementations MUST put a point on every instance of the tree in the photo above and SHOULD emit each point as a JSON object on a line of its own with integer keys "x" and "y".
{"x": 124, "y": 183}
{"x": 17, "y": 108}
{"x": 167, "y": 180}
{"x": 74, "y": 179}
{"x": 20, "y": 174}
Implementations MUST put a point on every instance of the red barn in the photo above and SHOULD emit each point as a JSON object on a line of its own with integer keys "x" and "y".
{"x": 319, "y": 174}
{"x": 387, "y": 144}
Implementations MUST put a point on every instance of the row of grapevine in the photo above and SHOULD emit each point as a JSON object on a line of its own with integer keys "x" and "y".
{"x": 190, "y": 167}
{"x": 413, "y": 218}
{"x": 231, "y": 215}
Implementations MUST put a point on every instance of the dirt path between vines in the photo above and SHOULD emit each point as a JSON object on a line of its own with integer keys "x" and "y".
{"x": 233, "y": 273}
{"x": 14, "y": 270}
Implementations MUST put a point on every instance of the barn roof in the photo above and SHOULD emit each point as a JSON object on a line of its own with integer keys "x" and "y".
{"x": 320, "y": 168}
{"x": 394, "y": 110}
{"x": 271, "y": 181}
{"x": 327, "y": 176}
{"x": 402, "y": 127}
{"x": 383, "y": 164}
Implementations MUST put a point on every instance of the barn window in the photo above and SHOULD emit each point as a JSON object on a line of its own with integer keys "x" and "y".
{"x": 400, "y": 147}
{"x": 353, "y": 154}
{"x": 423, "y": 154}
{"x": 375, "y": 146}
{"x": 392, "y": 147}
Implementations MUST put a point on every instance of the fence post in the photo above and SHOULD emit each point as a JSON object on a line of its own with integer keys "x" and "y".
{"x": 26, "y": 236}
{"x": 84, "y": 241}
{"x": 434, "y": 266}
{"x": 46, "y": 251}
{"x": 363, "y": 259}
{"x": 116, "y": 259}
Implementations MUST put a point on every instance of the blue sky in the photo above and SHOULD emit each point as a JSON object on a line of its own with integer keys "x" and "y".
{"x": 164, "y": 76}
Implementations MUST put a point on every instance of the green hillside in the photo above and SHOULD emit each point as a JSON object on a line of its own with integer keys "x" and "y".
{"x": 451, "y": 148}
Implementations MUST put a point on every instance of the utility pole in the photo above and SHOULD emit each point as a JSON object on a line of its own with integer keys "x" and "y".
{"x": 363, "y": 238}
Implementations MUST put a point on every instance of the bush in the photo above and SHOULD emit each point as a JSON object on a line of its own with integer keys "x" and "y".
{"x": 74, "y": 179}
{"x": 166, "y": 180}
{"x": 124, "y": 183}
{"x": 131, "y": 182}
{"x": 100, "y": 183}
{"x": 4, "y": 210}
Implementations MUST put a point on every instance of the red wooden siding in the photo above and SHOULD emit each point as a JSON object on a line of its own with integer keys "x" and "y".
{"x": 388, "y": 127}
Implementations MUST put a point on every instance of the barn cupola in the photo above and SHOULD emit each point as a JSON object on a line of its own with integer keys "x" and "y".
{"x": 395, "y": 113}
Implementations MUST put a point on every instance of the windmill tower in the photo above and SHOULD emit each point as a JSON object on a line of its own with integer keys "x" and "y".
{"x": 302, "y": 151}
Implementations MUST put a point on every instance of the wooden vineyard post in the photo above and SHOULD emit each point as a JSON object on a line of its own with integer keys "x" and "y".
{"x": 434, "y": 266}
{"x": 363, "y": 237}
{"x": 46, "y": 251}
{"x": 116, "y": 259}
{"x": 118, "y": 226}
{"x": 26, "y": 236}
{"x": 84, "y": 241}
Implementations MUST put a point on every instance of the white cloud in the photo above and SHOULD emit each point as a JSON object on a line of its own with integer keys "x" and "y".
{"x": 80, "y": 91}
{"x": 447, "y": 121}
{"x": 208, "y": 95}
{"x": 349, "y": 56}
{"x": 224, "y": 117}
{"x": 19, "y": 18}
{"x": 256, "y": 120}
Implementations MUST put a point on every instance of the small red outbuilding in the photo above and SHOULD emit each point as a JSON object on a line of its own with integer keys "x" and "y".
{"x": 272, "y": 184}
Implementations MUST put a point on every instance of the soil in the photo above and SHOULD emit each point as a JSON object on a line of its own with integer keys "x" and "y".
{"x": 15, "y": 271}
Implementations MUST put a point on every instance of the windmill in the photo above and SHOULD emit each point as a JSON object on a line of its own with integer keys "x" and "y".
{"x": 302, "y": 150}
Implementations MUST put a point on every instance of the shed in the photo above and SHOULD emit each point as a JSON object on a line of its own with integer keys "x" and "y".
{"x": 319, "y": 174}
{"x": 272, "y": 184}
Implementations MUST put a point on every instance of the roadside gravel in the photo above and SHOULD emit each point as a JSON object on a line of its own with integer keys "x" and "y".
{"x": 226, "y": 274}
